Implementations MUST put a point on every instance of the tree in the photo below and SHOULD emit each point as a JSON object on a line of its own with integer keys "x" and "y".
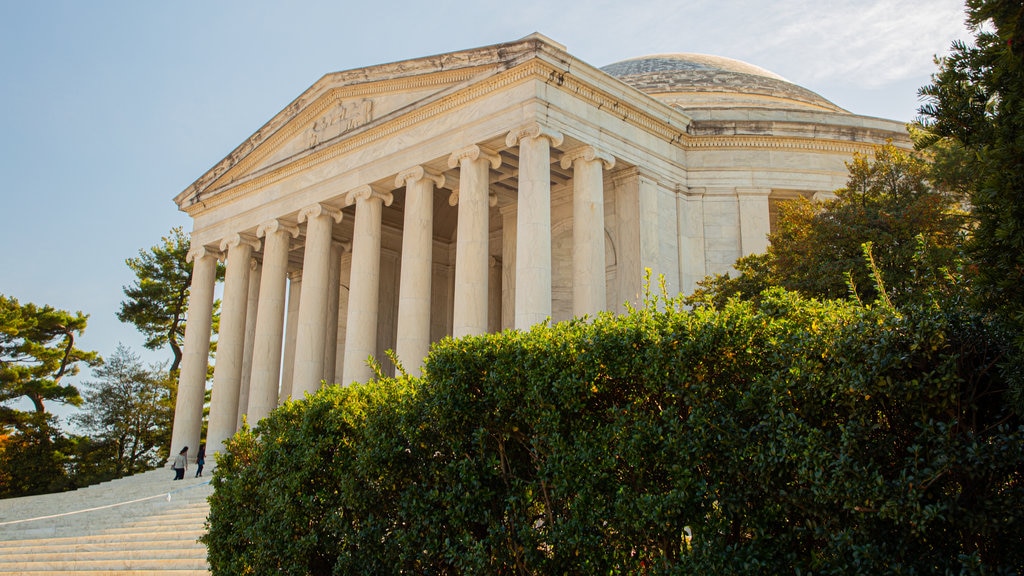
{"x": 37, "y": 352}
{"x": 129, "y": 410}
{"x": 974, "y": 114}
{"x": 157, "y": 302}
{"x": 915, "y": 230}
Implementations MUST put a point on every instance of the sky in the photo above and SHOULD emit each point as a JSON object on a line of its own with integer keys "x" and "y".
{"x": 114, "y": 107}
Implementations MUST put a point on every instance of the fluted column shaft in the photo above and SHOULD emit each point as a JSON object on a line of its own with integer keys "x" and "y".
{"x": 291, "y": 323}
{"x": 589, "y": 293}
{"x": 227, "y": 373}
{"x": 533, "y": 233}
{"x": 311, "y": 333}
{"x": 250, "y": 335}
{"x": 361, "y": 330}
{"x": 471, "y": 245}
{"x": 188, "y": 410}
{"x": 333, "y": 293}
{"x": 413, "y": 341}
{"x": 266, "y": 364}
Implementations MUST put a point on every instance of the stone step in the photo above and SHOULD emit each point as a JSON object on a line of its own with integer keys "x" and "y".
{"x": 203, "y": 572}
{"x": 180, "y": 536}
{"x": 113, "y": 554}
{"x": 141, "y": 546}
{"x": 94, "y": 565}
{"x": 142, "y": 525}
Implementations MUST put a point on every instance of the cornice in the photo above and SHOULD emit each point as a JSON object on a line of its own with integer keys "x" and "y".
{"x": 534, "y": 69}
{"x": 265, "y": 141}
{"x": 789, "y": 143}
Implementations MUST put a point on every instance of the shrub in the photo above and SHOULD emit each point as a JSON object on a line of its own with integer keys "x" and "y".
{"x": 789, "y": 435}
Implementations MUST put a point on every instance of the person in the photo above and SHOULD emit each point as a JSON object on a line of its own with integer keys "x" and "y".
{"x": 200, "y": 460}
{"x": 180, "y": 464}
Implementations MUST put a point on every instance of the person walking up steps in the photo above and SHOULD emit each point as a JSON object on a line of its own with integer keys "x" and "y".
{"x": 200, "y": 460}
{"x": 180, "y": 464}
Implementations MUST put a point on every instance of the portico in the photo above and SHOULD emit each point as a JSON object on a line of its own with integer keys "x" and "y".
{"x": 391, "y": 206}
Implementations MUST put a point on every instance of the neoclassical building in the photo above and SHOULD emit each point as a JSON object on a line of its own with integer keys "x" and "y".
{"x": 390, "y": 206}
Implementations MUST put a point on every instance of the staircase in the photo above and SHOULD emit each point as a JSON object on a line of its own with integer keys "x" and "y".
{"x": 142, "y": 524}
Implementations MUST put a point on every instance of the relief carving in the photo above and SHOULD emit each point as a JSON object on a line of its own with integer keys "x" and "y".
{"x": 340, "y": 118}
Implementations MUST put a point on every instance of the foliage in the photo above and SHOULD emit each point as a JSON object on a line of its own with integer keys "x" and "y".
{"x": 976, "y": 103}
{"x": 37, "y": 351}
{"x": 157, "y": 302}
{"x": 778, "y": 436}
{"x": 816, "y": 249}
{"x": 33, "y": 459}
{"x": 129, "y": 411}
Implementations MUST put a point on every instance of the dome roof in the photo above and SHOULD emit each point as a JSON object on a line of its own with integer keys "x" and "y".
{"x": 705, "y": 81}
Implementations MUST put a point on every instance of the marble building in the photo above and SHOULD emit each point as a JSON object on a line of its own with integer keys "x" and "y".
{"x": 390, "y": 206}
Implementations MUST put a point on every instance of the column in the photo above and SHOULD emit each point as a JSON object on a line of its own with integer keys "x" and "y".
{"x": 509, "y": 217}
{"x": 589, "y": 293}
{"x": 290, "y": 326}
{"x": 334, "y": 289}
{"x": 414, "y": 286}
{"x": 188, "y": 409}
{"x": 364, "y": 286}
{"x": 227, "y": 373}
{"x": 471, "y": 244}
{"x": 311, "y": 333}
{"x": 533, "y": 234}
{"x": 266, "y": 363}
{"x": 250, "y": 335}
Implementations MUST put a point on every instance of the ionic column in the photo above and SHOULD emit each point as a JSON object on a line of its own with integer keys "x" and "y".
{"x": 188, "y": 409}
{"x": 533, "y": 233}
{"x": 361, "y": 330}
{"x": 311, "y": 335}
{"x": 227, "y": 373}
{"x": 471, "y": 247}
{"x": 266, "y": 363}
{"x": 291, "y": 324}
{"x": 413, "y": 340}
{"x": 331, "y": 314}
{"x": 589, "y": 294}
{"x": 253, "y": 302}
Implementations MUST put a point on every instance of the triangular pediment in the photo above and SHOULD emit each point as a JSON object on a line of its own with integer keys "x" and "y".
{"x": 344, "y": 104}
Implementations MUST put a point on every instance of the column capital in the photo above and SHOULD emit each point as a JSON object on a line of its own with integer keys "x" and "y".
{"x": 419, "y": 173}
{"x": 453, "y": 199}
{"x": 197, "y": 252}
{"x": 474, "y": 152}
{"x": 237, "y": 240}
{"x": 533, "y": 130}
{"x": 319, "y": 209}
{"x": 589, "y": 153}
{"x": 367, "y": 192}
{"x": 271, "y": 226}
{"x": 294, "y": 275}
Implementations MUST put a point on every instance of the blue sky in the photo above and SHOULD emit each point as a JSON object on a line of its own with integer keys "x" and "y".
{"x": 113, "y": 108}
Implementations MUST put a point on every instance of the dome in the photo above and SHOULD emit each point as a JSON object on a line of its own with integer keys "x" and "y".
{"x": 705, "y": 81}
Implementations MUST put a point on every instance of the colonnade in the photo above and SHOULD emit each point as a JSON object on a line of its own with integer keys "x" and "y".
{"x": 249, "y": 349}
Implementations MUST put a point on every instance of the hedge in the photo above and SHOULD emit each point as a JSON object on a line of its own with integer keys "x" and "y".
{"x": 788, "y": 436}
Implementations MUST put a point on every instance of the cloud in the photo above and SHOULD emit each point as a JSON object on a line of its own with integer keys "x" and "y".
{"x": 864, "y": 42}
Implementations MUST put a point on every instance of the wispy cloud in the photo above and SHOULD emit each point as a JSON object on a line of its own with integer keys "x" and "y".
{"x": 865, "y": 42}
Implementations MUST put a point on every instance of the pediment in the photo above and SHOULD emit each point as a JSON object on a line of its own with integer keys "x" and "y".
{"x": 343, "y": 104}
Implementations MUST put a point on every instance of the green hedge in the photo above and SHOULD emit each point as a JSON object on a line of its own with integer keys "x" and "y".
{"x": 791, "y": 436}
